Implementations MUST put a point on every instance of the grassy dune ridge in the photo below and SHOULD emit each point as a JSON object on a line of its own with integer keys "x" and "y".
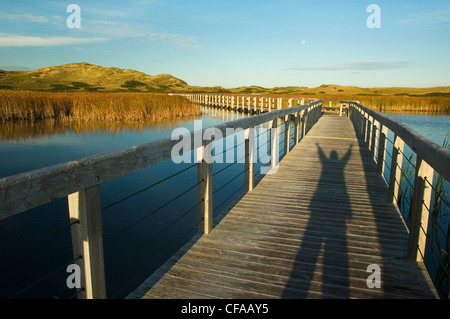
{"x": 81, "y": 106}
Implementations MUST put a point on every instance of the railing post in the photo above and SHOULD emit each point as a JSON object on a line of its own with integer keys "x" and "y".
{"x": 297, "y": 127}
{"x": 249, "y": 158}
{"x": 419, "y": 216}
{"x": 87, "y": 241}
{"x": 370, "y": 129}
{"x": 287, "y": 133}
{"x": 273, "y": 143}
{"x": 204, "y": 193}
{"x": 396, "y": 169}
{"x": 304, "y": 123}
{"x": 381, "y": 150}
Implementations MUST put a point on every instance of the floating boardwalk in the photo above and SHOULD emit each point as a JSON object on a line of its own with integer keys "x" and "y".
{"x": 318, "y": 228}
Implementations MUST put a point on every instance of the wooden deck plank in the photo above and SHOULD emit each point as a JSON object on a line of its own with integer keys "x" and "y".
{"x": 308, "y": 231}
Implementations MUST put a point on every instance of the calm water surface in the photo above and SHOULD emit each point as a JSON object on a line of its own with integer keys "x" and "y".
{"x": 138, "y": 237}
{"x": 139, "y": 233}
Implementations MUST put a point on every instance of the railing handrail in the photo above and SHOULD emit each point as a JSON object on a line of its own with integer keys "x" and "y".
{"x": 435, "y": 155}
{"x": 429, "y": 158}
{"x": 27, "y": 190}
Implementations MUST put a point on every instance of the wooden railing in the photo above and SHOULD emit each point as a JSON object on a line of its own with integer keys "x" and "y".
{"x": 430, "y": 158}
{"x": 260, "y": 104}
{"x": 247, "y": 103}
{"x": 80, "y": 182}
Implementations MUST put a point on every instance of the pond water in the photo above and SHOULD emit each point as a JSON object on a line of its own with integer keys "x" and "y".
{"x": 139, "y": 233}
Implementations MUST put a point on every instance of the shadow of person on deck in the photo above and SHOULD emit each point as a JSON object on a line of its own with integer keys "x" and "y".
{"x": 326, "y": 231}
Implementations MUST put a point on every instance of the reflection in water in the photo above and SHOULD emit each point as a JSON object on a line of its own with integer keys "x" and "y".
{"x": 131, "y": 255}
{"x": 24, "y": 130}
{"x": 29, "y": 130}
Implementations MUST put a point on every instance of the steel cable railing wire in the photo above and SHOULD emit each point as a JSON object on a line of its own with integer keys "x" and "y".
{"x": 138, "y": 221}
{"x": 240, "y": 189}
{"x": 147, "y": 188}
{"x": 224, "y": 168}
{"x": 181, "y": 240}
{"x": 57, "y": 230}
{"x": 33, "y": 242}
{"x": 433, "y": 235}
{"x": 439, "y": 193}
{"x": 433, "y": 251}
{"x": 408, "y": 159}
{"x": 42, "y": 237}
{"x": 402, "y": 199}
{"x": 153, "y": 212}
{"x": 406, "y": 178}
{"x": 229, "y": 149}
{"x": 42, "y": 279}
{"x": 437, "y": 225}
{"x": 181, "y": 216}
{"x": 148, "y": 240}
{"x": 228, "y": 182}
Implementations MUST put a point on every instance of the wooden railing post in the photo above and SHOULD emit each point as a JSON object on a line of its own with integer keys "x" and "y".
{"x": 249, "y": 158}
{"x": 297, "y": 127}
{"x": 287, "y": 134}
{"x": 419, "y": 215}
{"x": 273, "y": 142}
{"x": 373, "y": 141}
{"x": 396, "y": 169}
{"x": 204, "y": 193}
{"x": 381, "y": 150}
{"x": 305, "y": 123}
{"x": 87, "y": 241}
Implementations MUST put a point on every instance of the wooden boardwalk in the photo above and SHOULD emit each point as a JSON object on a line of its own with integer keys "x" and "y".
{"x": 309, "y": 231}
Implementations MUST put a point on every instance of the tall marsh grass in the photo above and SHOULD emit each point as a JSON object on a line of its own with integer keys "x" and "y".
{"x": 395, "y": 103}
{"x": 108, "y": 107}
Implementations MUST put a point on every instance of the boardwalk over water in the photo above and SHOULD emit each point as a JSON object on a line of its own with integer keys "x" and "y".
{"x": 309, "y": 231}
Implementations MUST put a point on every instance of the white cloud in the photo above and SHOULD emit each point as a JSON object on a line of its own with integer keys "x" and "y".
{"x": 180, "y": 41}
{"x": 358, "y": 65}
{"x": 429, "y": 18}
{"x": 24, "y": 17}
{"x": 10, "y": 40}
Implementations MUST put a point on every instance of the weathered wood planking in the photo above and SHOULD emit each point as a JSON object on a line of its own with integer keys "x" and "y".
{"x": 308, "y": 231}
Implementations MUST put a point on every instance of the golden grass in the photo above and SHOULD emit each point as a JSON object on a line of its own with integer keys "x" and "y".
{"x": 107, "y": 107}
{"x": 396, "y": 104}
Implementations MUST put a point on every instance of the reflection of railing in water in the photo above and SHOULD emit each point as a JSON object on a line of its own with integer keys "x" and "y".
{"x": 419, "y": 206}
{"x": 80, "y": 181}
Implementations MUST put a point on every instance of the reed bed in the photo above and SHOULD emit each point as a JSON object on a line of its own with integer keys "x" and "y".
{"x": 400, "y": 104}
{"x": 418, "y": 104}
{"x": 407, "y": 104}
{"x": 106, "y": 107}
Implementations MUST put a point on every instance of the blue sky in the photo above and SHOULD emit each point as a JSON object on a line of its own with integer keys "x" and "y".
{"x": 234, "y": 43}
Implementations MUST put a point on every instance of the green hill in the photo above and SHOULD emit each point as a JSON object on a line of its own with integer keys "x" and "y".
{"x": 90, "y": 77}
{"x": 334, "y": 89}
